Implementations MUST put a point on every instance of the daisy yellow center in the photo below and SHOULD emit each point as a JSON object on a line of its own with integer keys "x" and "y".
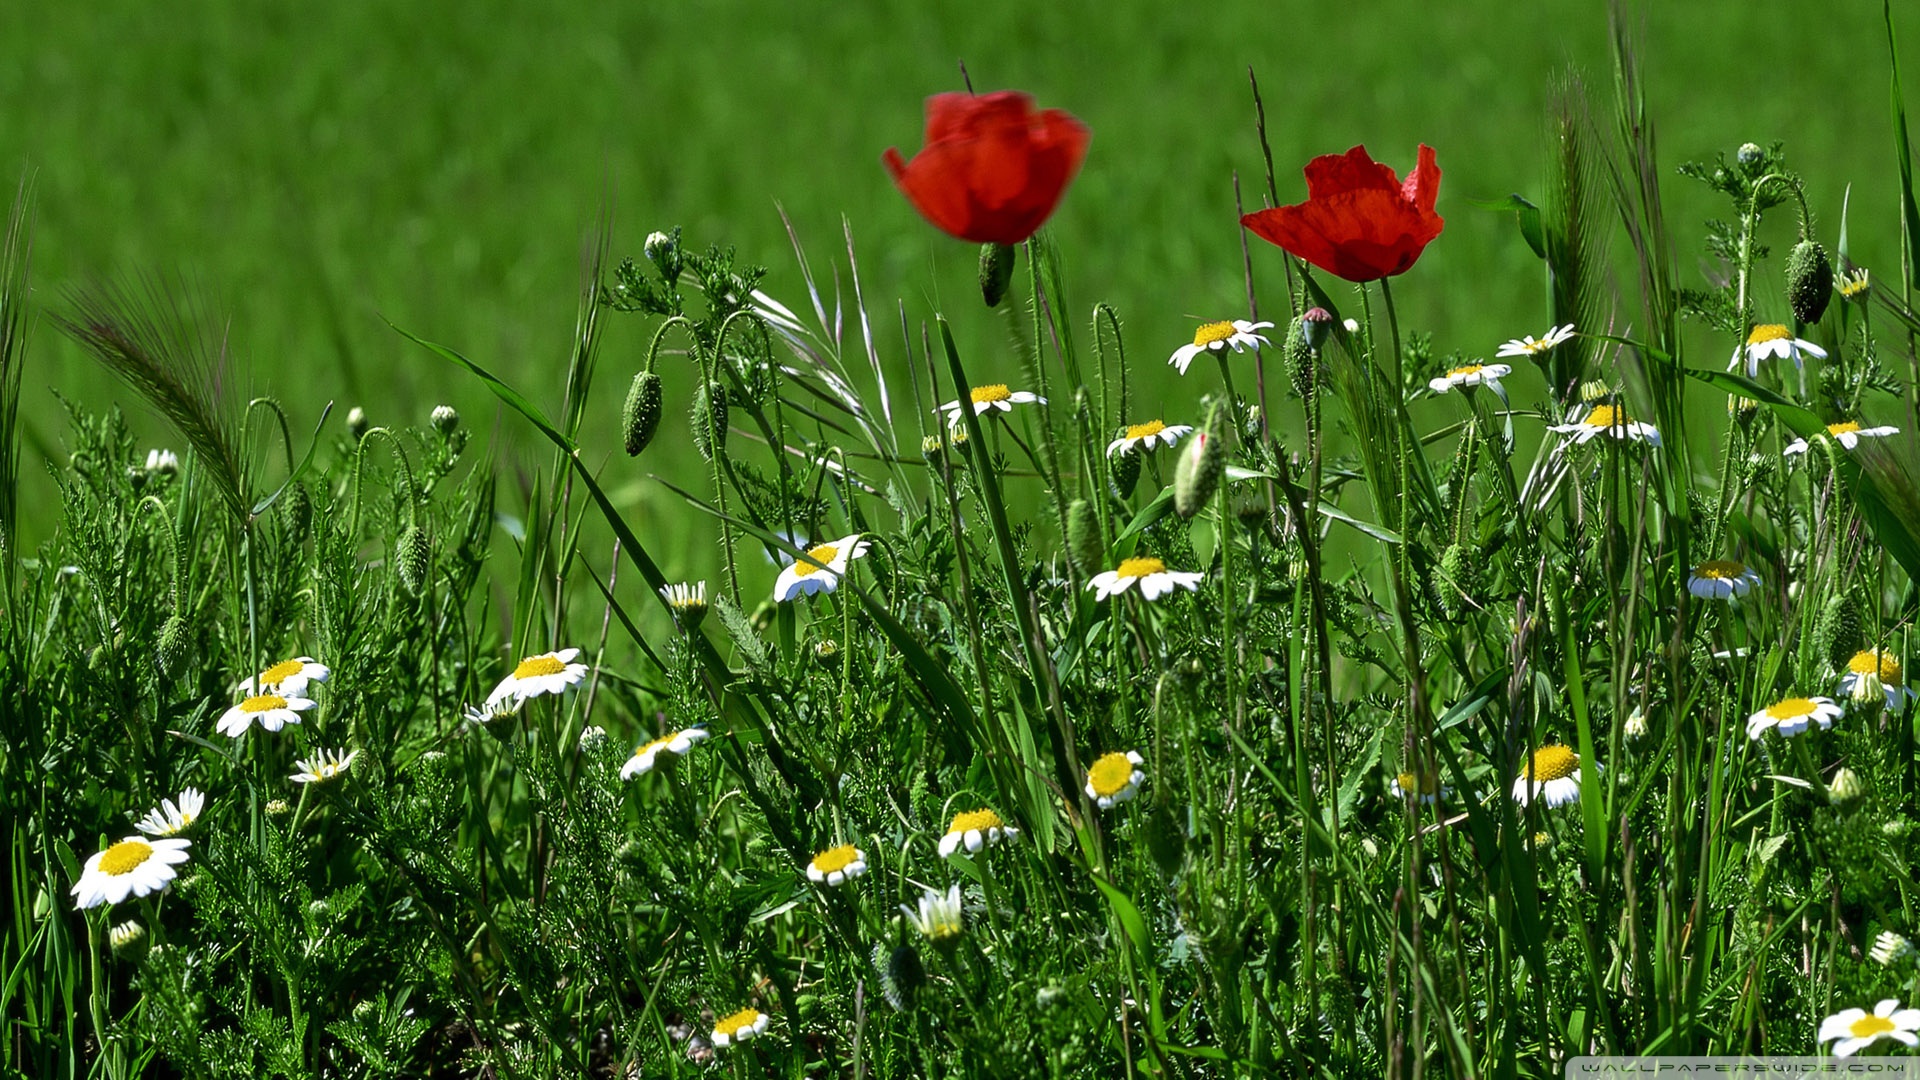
{"x": 652, "y": 746}
{"x": 1843, "y": 427}
{"x": 1766, "y": 332}
{"x": 1111, "y": 773}
{"x": 1425, "y": 785}
{"x": 1791, "y": 708}
{"x": 1851, "y": 287}
{"x": 1606, "y": 416}
{"x": 1875, "y": 661}
{"x": 1720, "y": 569}
{"x": 535, "y": 666}
{"x": 1213, "y": 333}
{"x": 125, "y": 857}
{"x": 823, "y": 554}
{"x": 1470, "y": 369}
{"x": 975, "y": 820}
{"x": 834, "y": 860}
{"x": 733, "y": 1025}
{"x": 983, "y": 395}
{"x": 1139, "y": 567}
{"x": 1141, "y": 431}
{"x": 1869, "y": 1026}
{"x": 280, "y": 672}
{"x": 1552, "y": 763}
{"x": 263, "y": 703}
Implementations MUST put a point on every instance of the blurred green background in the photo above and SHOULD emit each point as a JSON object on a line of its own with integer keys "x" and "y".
{"x": 317, "y": 167}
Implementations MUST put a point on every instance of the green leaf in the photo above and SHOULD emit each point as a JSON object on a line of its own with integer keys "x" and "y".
{"x": 1528, "y": 215}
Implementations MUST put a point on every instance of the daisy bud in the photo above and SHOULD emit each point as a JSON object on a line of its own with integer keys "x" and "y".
{"x": 1083, "y": 536}
{"x": 173, "y": 644}
{"x": 996, "y": 272}
{"x": 1750, "y": 155}
{"x": 710, "y": 419}
{"x": 640, "y": 417}
{"x": 1809, "y": 281}
{"x": 1890, "y": 949}
{"x": 1595, "y": 390}
{"x": 412, "y": 559}
{"x": 357, "y": 422}
{"x": 1846, "y": 789}
{"x": 1635, "y": 727}
{"x": 1197, "y": 475}
{"x": 1315, "y": 324}
{"x": 658, "y": 246}
{"x": 444, "y": 419}
{"x": 1126, "y": 473}
{"x": 278, "y": 808}
{"x": 128, "y": 939}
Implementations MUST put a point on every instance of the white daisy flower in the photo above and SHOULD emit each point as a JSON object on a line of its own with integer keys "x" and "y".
{"x": 1890, "y": 949}
{"x": 1532, "y": 346}
{"x": 1858, "y": 1029}
{"x": 1424, "y": 786}
{"x": 1152, "y": 574}
{"x": 133, "y": 867}
{"x": 1115, "y": 777}
{"x": 941, "y": 916}
{"x": 740, "y": 1027}
{"x": 162, "y": 461}
{"x": 547, "y": 673}
{"x": 1776, "y": 341}
{"x": 1722, "y": 579}
{"x": 821, "y": 570}
{"x": 1215, "y": 336}
{"x": 273, "y": 711}
{"x": 1609, "y": 420}
{"x": 1471, "y": 375}
{"x": 172, "y": 818}
{"x": 1873, "y": 674}
{"x": 687, "y": 601}
{"x": 324, "y": 766}
{"x": 1853, "y": 284}
{"x": 1553, "y": 773}
{"x": 288, "y": 677}
{"x": 476, "y": 715}
{"x": 1790, "y": 716}
{"x": 1147, "y": 434}
{"x": 992, "y": 396}
{"x": 1847, "y": 433}
{"x": 974, "y": 829}
{"x": 837, "y": 865}
{"x": 677, "y": 744}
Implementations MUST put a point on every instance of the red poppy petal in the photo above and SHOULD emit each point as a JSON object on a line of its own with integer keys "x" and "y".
{"x": 992, "y": 169}
{"x": 1330, "y": 174}
{"x": 1422, "y": 188}
{"x": 931, "y": 183}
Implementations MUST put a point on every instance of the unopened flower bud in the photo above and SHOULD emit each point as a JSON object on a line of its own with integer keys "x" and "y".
{"x": 1315, "y": 324}
{"x": 357, "y": 423}
{"x": 1890, "y": 949}
{"x": 163, "y": 462}
{"x": 1809, "y": 281}
{"x": 1750, "y": 154}
{"x": 996, "y": 272}
{"x": 688, "y": 602}
{"x": 657, "y": 245}
{"x": 1197, "y": 475}
{"x": 1846, "y": 788}
{"x": 1635, "y": 727}
{"x": 413, "y": 558}
{"x": 126, "y": 937}
{"x": 1126, "y": 473}
{"x": 640, "y": 417}
{"x": 444, "y": 419}
{"x": 172, "y": 647}
{"x": 278, "y": 808}
{"x": 592, "y": 738}
{"x": 1083, "y": 536}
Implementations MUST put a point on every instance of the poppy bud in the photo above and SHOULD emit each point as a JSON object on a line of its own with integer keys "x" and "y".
{"x": 412, "y": 558}
{"x": 1809, "y": 281}
{"x": 1197, "y": 475}
{"x": 1838, "y": 628}
{"x": 1302, "y": 352}
{"x": 905, "y": 977}
{"x": 296, "y": 511}
{"x": 640, "y": 416}
{"x": 1315, "y": 324}
{"x": 1459, "y": 579}
{"x": 1126, "y": 473}
{"x": 172, "y": 650}
{"x": 1083, "y": 537}
{"x": 710, "y": 419}
{"x": 996, "y": 272}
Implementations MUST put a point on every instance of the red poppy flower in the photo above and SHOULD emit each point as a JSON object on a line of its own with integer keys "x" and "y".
{"x": 992, "y": 169}
{"x": 1359, "y": 221}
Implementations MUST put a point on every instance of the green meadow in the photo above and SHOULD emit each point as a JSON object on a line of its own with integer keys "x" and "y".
{"x": 488, "y": 587}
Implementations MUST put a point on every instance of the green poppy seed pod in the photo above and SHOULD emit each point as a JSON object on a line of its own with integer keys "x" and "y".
{"x": 906, "y": 975}
{"x": 412, "y": 558}
{"x": 640, "y": 417}
{"x": 710, "y": 419}
{"x": 171, "y": 651}
{"x": 1809, "y": 281}
{"x": 1197, "y": 476}
{"x": 996, "y": 272}
{"x": 1126, "y": 473}
{"x": 1083, "y": 537}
